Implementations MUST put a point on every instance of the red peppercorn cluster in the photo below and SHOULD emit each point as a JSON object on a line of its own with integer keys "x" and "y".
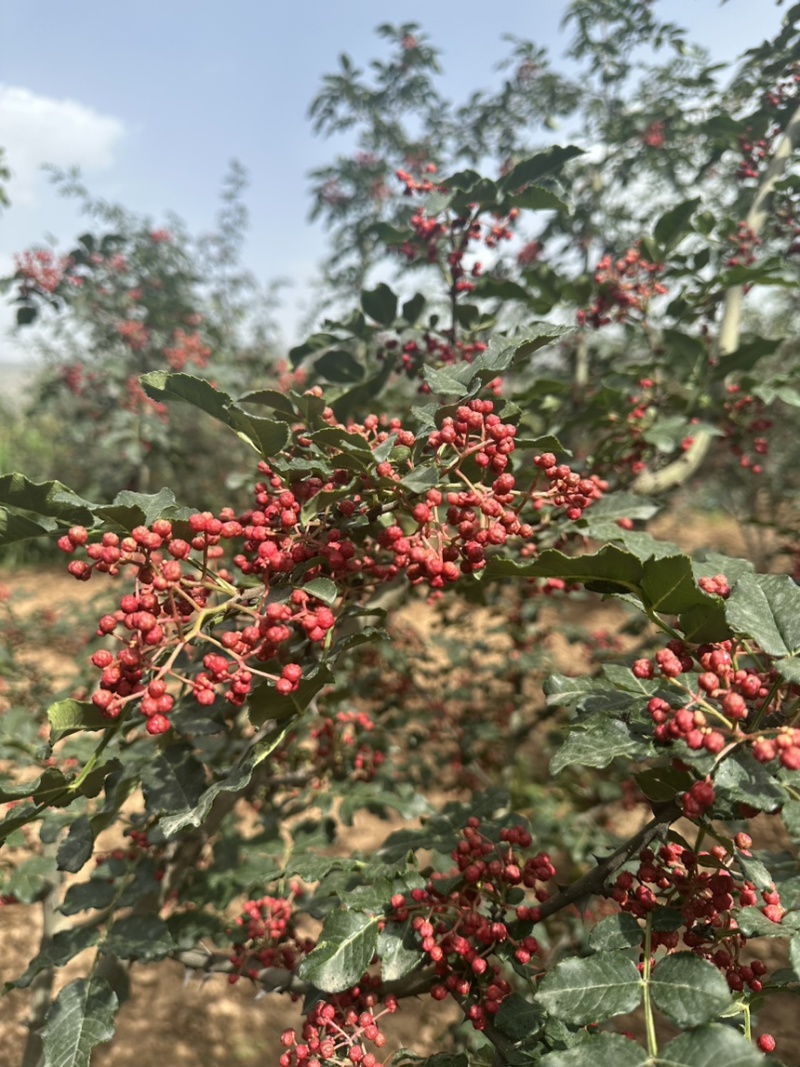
{"x": 139, "y": 849}
{"x": 339, "y": 1031}
{"x": 266, "y": 936}
{"x": 654, "y": 136}
{"x": 720, "y": 705}
{"x": 625, "y": 286}
{"x": 471, "y": 916}
{"x": 744, "y": 425}
{"x": 706, "y": 892}
{"x": 753, "y": 153}
{"x": 40, "y": 271}
{"x": 191, "y": 625}
{"x": 154, "y": 626}
{"x": 342, "y": 748}
{"x": 744, "y": 243}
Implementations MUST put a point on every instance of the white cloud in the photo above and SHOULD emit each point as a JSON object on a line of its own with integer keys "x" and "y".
{"x": 38, "y": 129}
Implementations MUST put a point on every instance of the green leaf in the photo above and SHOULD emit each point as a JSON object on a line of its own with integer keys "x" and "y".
{"x": 31, "y": 879}
{"x": 611, "y": 570}
{"x": 233, "y": 782}
{"x": 711, "y": 1046}
{"x": 398, "y": 951}
{"x": 67, "y": 716}
{"x": 669, "y": 585}
{"x": 412, "y": 309}
{"x": 519, "y": 1018}
{"x": 76, "y": 848}
{"x": 66, "y": 944}
{"x": 661, "y": 784}
{"x": 380, "y": 304}
{"x": 51, "y": 499}
{"x": 81, "y": 1017}
{"x": 265, "y": 436}
{"x": 346, "y": 946}
{"x": 173, "y": 782}
{"x": 766, "y": 607}
{"x": 600, "y": 1050}
{"x": 615, "y": 932}
{"x": 339, "y": 366}
{"x": 581, "y": 991}
{"x": 323, "y": 589}
{"x": 15, "y": 528}
{"x": 688, "y": 990}
{"x": 265, "y": 702}
{"x": 535, "y": 167}
{"x": 563, "y": 691}
{"x": 740, "y": 779}
{"x": 535, "y": 198}
{"x": 139, "y": 937}
{"x": 602, "y": 740}
{"x": 675, "y": 224}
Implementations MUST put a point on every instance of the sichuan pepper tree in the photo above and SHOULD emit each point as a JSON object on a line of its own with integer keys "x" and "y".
{"x": 241, "y": 668}
{"x": 131, "y": 297}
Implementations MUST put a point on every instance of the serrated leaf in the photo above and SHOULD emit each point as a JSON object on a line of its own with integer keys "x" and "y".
{"x": 76, "y": 848}
{"x": 139, "y": 937}
{"x": 537, "y": 166}
{"x": 740, "y": 779}
{"x": 581, "y": 991}
{"x": 661, "y": 784}
{"x": 754, "y": 923}
{"x": 29, "y": 880}
{"x": 236, "y": 780}
{"x": 173, "y": 782}
{"x": 669, "y": 585}
{"x": 412, "y": 309}
{"x": 766, "y": 607}
{"x": 398, "y": 951}
{"x": 265, "y": 702}
{"x": 615, "y": 932}
{"x": 563, "y": 691}
{"x": 87, "y": 895}
{"x": 80, "y": 1018}
{"x": 323, "y": 589}
{"x": 15, "y": 528}
{"x": 610, "y": 570}
{"x": 66, "y": 944}
{"x": 52, "y": 499}
{"x": 688, "y": 990}
{"x": 66, "y": 716}
{"x": 602, "y": 740}
{"x": 263, "y": 435}
{"x": 600, "y": 1050}
{"x": 346, "y": 946}
{"x": 519, "y": 1018}
{"x": 711, "y": 1046}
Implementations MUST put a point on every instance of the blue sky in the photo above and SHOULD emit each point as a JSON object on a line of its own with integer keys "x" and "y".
{"x": 152, "y": 101}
